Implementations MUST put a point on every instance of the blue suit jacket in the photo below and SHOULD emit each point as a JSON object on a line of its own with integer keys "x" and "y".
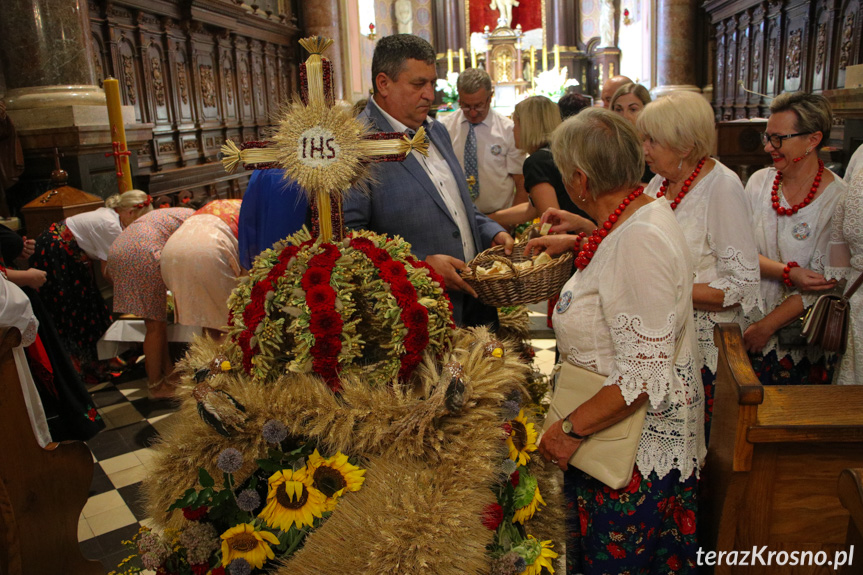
{"x": 405, "y": 202}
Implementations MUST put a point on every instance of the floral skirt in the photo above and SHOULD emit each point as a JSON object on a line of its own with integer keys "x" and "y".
{"x": 646, "y": 528}
{"x": 708, "y": 378}
{"x": 771, "y": 370}
{"x": 72, "y": 298}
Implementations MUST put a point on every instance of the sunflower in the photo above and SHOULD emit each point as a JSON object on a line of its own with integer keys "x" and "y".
{"x": 244, "y": 541}
{"x": 521, "y": 440}
{"x": 537, "y": 555}
{"x": 526, "y": 497}
{"x": 334, "y": 476}
{"x": 292, "y": 499}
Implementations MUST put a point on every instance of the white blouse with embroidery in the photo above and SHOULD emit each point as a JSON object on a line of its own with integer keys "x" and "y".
{"x": 801, "y": 238}
{"x": 629, "y": 315}
{"x": 716, "y": 221}
{"x": 845, "y": 261}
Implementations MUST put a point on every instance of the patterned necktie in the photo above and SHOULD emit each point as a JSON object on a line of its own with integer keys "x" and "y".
{"x": 471, "y": 170}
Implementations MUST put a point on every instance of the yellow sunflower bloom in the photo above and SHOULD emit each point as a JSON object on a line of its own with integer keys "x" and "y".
{"x": 521, "y": 440}
{"x": 543, "y": 556}
{"x": 334, "y": 476}
{"x": 245, "y": 541}
{"x": 292, "y": 499}
{"x": 526, "y": 497}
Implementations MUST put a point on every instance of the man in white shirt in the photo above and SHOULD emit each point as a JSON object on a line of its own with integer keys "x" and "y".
{"x": 484, "y": 145}
{"x": 422, "y": 199}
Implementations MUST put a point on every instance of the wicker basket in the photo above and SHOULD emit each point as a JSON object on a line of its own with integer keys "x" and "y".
{"x": 515, "y": 287}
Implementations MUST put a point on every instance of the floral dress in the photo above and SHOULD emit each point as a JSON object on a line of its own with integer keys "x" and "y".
{"x": 70, "y": 294}
{"x": 629, "y": 314}
{"x": 134, "y": 263}
{"x": 715, "y": 217}
{"x": 845, "y": 261}
{"x": 803, "y": 238}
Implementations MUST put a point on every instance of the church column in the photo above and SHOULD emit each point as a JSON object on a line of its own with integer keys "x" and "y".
{"x": 46, "y": 54}
{"x": 675, "y": 46}
{"x": 322, "y": 19}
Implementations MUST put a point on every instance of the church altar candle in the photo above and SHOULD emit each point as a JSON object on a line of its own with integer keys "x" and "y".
{"x": 461, "y": 59}
{"x": 472, "y": 58}
{"x": 544, "y": 57}
{"x": 118, "y": 130}
{"x": 449, "y": 61}
{"x": 556, "y": 57}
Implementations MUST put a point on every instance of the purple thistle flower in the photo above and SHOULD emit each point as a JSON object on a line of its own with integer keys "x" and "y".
{"x": 230, "y": 460}
{"x": 249, "y": 500}
{"x": 240, "y": 566}
{"x": 274, "y": 431}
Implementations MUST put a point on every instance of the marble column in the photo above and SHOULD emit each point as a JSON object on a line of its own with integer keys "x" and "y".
{"x": 46, "y": 54}
{"x": 322, "y": 19}
{"x": 675, "y": 46}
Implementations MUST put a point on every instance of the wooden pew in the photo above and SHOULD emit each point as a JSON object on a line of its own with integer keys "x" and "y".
{"x": 42, "y": 491}
{"x": 772, "y": 466}
{"x": 851, "y": 496}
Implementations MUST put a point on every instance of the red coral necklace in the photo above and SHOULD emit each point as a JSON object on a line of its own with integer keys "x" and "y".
{"x": 777, "y": 185}
{"x": 683, "y": 190}
{"x": 586, "y": 254}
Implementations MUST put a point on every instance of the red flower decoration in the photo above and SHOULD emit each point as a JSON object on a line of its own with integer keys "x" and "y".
{"x": 218, "y": 571}
{"x": 634, "y": 483}
{"x": 492, "y": 516}
{"x": 315, "y": 276}
{"x": 674, "y": 563}
{"x": 616, "y": 551}
{"x": 326, "y": 322}
{"x": 685, "y": 519}
{"x": 584, "y": 520}
{"x": 200, "y": 568}
{"x": 513, "y": 479}
{"x": 393, "y": 267}
{"x": 194, "y": 514}
{"x": 321, "y": 297}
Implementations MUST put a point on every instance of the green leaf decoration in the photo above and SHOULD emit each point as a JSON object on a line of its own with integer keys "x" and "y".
{"x": 204, "y": 478}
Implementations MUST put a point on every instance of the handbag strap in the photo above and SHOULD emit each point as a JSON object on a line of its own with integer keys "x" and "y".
{"x": 850, "y": 291}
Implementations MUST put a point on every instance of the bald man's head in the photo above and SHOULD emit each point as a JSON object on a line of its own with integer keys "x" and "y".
{"x": 610, "y": 87}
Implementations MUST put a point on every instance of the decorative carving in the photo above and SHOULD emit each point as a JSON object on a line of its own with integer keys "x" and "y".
{"x": 229, "y": 84}
{"x": 129, "y": 78}
{"x": 146, "y": 149}
{"x": 792, "y": 58}
{"x": 272, "y": 76}
{"x": 729, "y": 65}
{"x": 771, "y": 58}
{"x": 97, "y": 60}
{"x": 208, "y": 86}
{"x": 820, "y": 44}
{"x": 257, "y": 74}
{"x": 158, "y": 82}
{"x": 744, "y": 60}
{"x": 168, "y": 147}
{"x": 245, "y": 88}
{"x": 847, "y": 41}
{"x": 756, "y": 59}
{"x": 190, "y": 144}
{"x": 211, "y": 142}
{"x": 181, "y": 82}
{"x": 720, "y": 54}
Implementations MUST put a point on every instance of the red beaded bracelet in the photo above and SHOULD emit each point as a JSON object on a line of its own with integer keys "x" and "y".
{"x": 786, "y": 273}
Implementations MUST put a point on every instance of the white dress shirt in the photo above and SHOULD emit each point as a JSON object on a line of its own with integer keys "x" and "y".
{"x": 444, "y": 180}
{"x": 497, "y": 157}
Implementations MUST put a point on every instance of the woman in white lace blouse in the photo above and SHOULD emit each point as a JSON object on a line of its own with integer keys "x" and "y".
{"x": 792, "y": 205}
{"x": 678, "y": 134}
{"x": 627, "y": 313}
{"x": 845, "y": 261}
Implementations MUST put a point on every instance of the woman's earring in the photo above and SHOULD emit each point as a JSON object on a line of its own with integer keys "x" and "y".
{"x": 680, "y": 165}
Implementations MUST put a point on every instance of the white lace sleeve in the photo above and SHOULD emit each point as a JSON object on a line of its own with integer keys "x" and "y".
{"x": 838, "y": 251}
{"x": 641, "y": 303}
{"x": 732, "y": 241}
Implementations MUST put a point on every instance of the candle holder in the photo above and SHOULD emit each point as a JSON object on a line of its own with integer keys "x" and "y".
{"x": 372, "y": 34}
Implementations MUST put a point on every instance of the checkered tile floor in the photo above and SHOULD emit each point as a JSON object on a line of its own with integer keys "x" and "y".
{"x": 114, "y": 511}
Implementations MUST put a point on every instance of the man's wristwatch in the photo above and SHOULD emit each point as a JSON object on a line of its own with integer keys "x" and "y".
{"x": 566, "y": 427}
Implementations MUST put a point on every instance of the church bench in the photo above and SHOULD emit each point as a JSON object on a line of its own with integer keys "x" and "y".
{"x": 851, "y": 496}
{"x": 773, "y": 462}
{"x": 42, "y": 491}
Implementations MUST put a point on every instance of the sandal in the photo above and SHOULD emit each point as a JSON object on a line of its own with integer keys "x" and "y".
{"x": 167, "y": 393}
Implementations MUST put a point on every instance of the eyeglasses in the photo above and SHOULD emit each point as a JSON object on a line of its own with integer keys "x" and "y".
{"x": 776, "y": 140}
{"x": 477, "y": 107}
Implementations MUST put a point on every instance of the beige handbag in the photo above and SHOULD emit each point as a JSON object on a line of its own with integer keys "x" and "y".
{"x": 607, "y": 455}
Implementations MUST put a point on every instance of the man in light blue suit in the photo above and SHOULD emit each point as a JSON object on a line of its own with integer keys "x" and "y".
{"x": 425, "y": 200}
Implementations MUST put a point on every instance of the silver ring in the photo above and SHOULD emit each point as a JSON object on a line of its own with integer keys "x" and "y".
{"x": 554, "y": 461}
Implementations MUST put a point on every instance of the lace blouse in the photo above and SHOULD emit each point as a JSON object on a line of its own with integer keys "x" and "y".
{"x": 845, "y": 261}
{"x": 715, "y": 218}
{"x": 629, "y": 315}
{"x": 801, "y": 238}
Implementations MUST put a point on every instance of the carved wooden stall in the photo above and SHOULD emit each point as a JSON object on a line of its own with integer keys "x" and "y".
{"x": 773, "y": 46}
{"x": 200, "y": 71}
{"x": 851, "y": 496}
{"x": 775, "y": 456}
